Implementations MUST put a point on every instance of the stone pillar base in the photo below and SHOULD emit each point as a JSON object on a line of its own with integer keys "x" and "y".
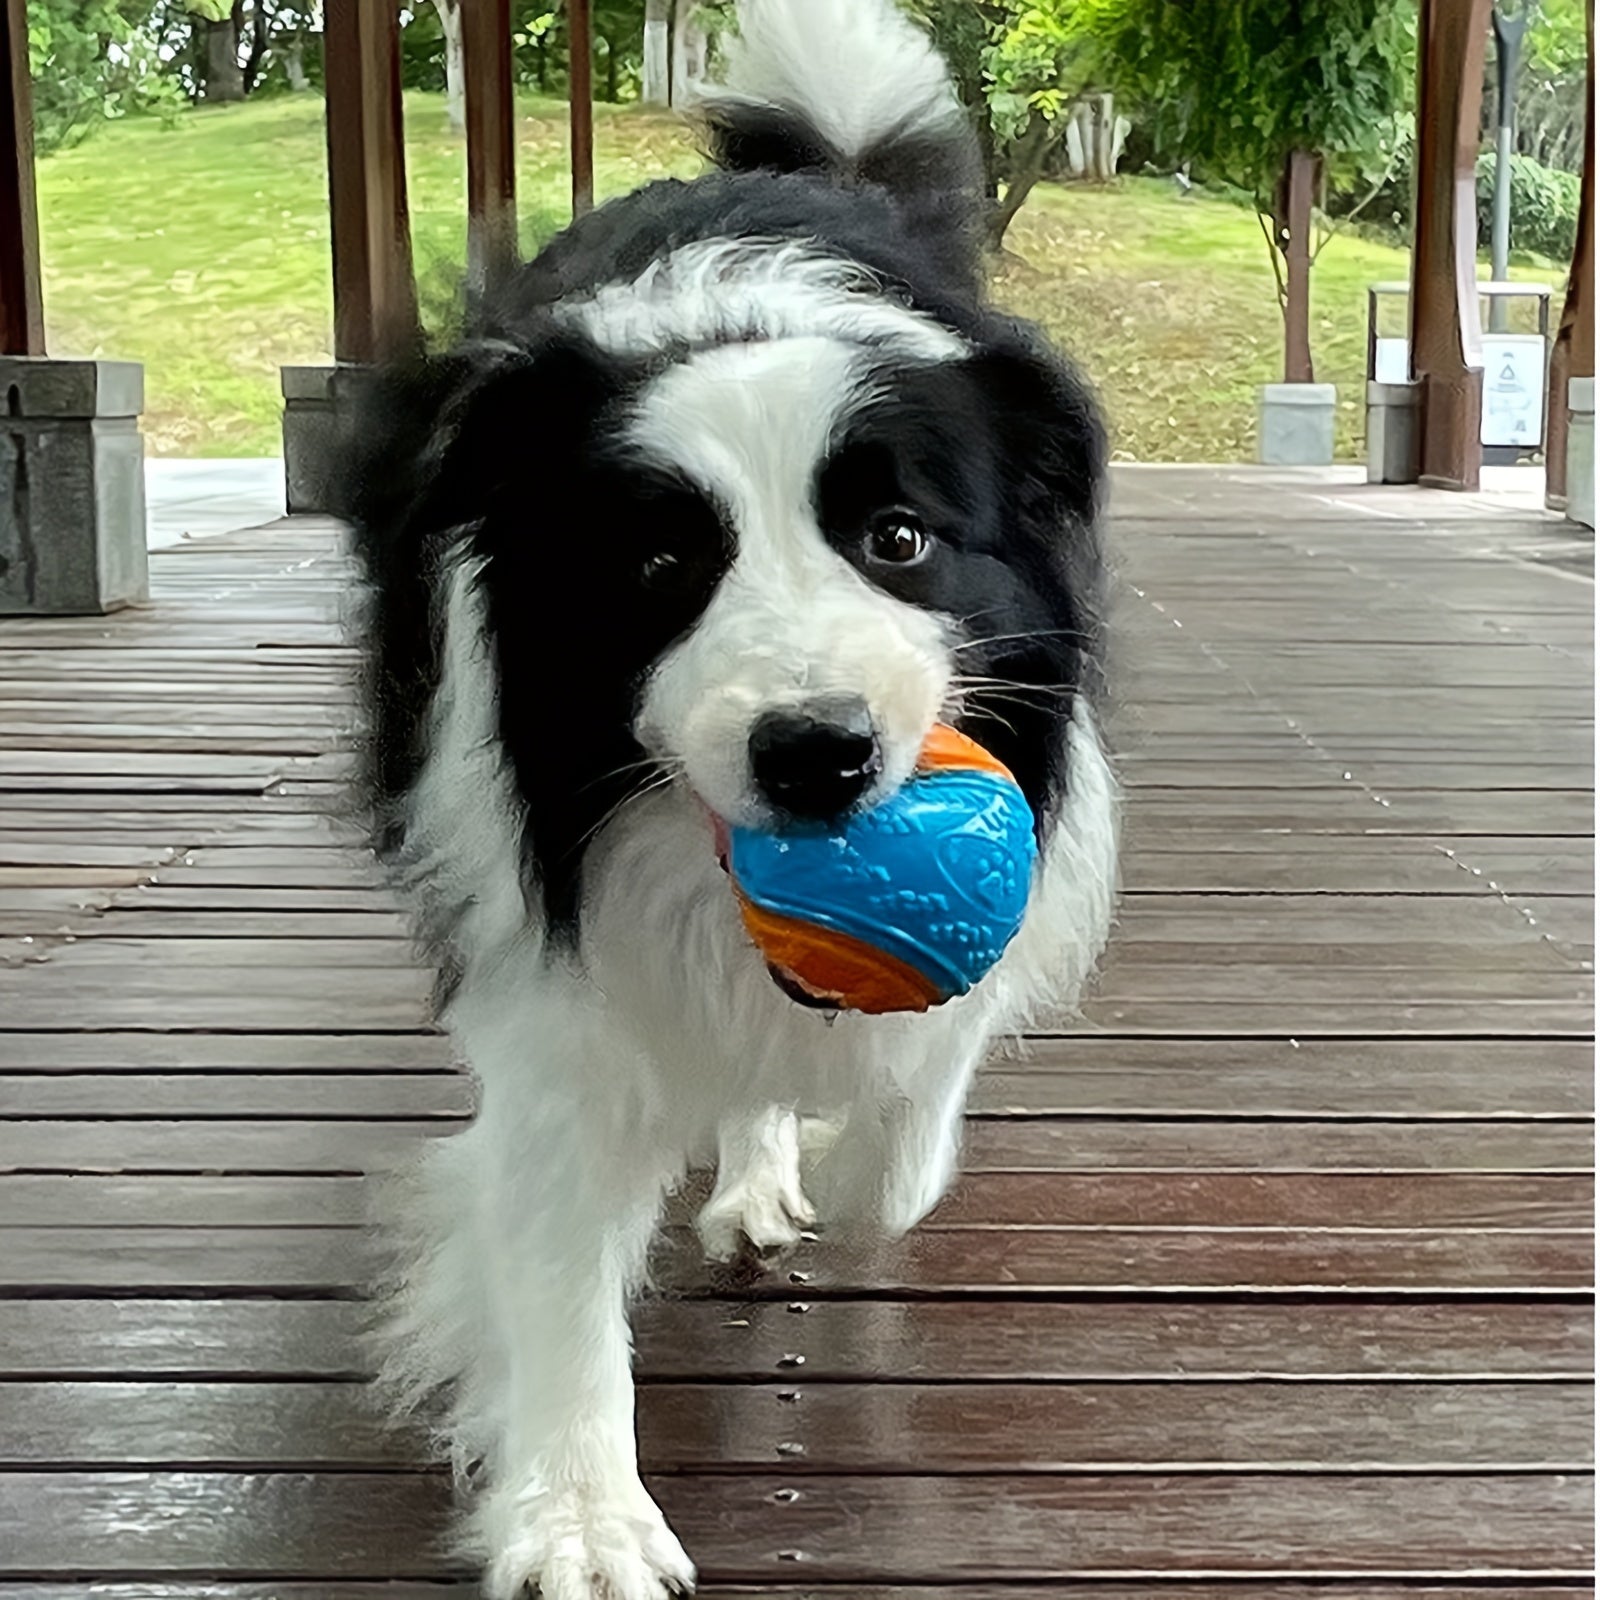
{"x": 1297, "y": 424}
{"x": 72, "y": 531}
{"x": 311, "y": 396}
{"x": 1393, "y": 442}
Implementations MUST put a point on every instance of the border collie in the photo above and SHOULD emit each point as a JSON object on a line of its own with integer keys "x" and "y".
{"x": 751, "y": 449}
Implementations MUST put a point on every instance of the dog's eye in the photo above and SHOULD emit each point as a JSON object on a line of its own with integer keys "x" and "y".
{"x": 661, "y": 570}
{"x": 897, "y": 537}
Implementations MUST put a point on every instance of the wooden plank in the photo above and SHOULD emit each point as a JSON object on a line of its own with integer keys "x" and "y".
{"x": 845, "y": 1528}
{"x": 1279, "y": 1146}
{"x": 1089, "y": 1589}
{"x": 849, "y": 1427}
{"x": 231, "y": 1052}
{"x": 1424, "y": 1019}
{"x": 364, "y": 1096}
{"x": 1010, "y": 1145}
{"x": 1358, "y": 870}
{"x": 1361, "y": 1079}
{"x": 1056, "y": 1261}
{"x": 984, "y": 1200}
{"x": 1268, "y": 1200}
{"x": 925, "y": 1341}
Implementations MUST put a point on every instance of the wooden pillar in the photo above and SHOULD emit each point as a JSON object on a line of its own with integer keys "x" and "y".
{"x": 21, "y": 304}
{"x": 1446, "y": 340}
{"x": 374, "y": 290}
{"x": 580, "y": 77}
{"x": 491, "y": 140}
{"x": 1572, "y": 354}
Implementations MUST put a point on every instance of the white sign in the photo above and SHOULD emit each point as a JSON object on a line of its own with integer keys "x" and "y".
{"x": 1393, "y": 361}
{"x": 1513, "y": 388}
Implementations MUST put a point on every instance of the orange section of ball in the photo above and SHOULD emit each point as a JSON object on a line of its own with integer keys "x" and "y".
{"x": 945, "y": 748}
{"x": 834, "y": 966}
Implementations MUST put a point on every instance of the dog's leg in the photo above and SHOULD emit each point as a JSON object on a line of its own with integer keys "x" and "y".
{"x": 897, "y": 1154}
{"x": 924, "y": 1142}
{"x": 758, "y": 1195}
{"x": 559, "y": 1225}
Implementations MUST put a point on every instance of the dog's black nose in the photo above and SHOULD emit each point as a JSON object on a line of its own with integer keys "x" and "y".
{"x": 817, "y": 760}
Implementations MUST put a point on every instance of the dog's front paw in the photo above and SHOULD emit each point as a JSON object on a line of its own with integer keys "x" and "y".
{"x": 589, "y": 1543}
{"x": 764, "y": 1204}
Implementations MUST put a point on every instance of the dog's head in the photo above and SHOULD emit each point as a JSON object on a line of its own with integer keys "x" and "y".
{"x": 763, "y": 568}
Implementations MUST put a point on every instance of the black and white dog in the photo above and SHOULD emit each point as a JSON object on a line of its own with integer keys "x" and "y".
{"x": 748, "y": 451}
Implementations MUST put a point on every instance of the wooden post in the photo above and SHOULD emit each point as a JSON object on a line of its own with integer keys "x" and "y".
{"x": 1299, "y": 182}
{"x": 21, "y": 303}
{"x": 1446, "y": 339}
{"x": 1572, "y": 354}
{"x": 491, "y": 141}
{"x": 580, "y": 78}
{"x": 374, "y": 291}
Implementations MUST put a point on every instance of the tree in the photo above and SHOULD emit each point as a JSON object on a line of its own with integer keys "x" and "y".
{"x": 1276, "y": 97}
{"x": 1552, "y": 87}
{"x": 455, "y": 70}
{"x": 656, "y": 88}
{"x": 691, "y": 48}
{"x": 1018, "y": 67}
{"x": 220, "y": 23}
{"x": 92, "y": 61}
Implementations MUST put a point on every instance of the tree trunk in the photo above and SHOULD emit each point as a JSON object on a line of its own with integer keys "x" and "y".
{"x": 455, "y": 83}
{"x": 1293, "y": 222}
{"x": 256, "y": 55}
{"x": 613, "y": 80}
{"x": 294, "y": 65}
{"x": 691, "y": 49}
{"x": 655, "y": 88}
{"x": 1027, "y": 167}
{"x": 224, "y": 77}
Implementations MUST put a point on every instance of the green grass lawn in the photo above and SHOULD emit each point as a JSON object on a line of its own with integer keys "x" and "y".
{"x": 201, "y": 249}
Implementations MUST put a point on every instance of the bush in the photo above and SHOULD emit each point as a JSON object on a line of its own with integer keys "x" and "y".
{"x": 1544, "y": 206}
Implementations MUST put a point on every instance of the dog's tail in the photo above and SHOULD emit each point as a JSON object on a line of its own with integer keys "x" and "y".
{"x": 852, "y": 89}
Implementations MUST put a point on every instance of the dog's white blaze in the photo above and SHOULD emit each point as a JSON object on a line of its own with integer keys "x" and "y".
{"x": 723, "y": 291}
{"x": 792, "y": 620}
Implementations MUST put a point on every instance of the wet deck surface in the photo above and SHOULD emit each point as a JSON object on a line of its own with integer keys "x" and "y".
{"x": 1274, "y": 1272}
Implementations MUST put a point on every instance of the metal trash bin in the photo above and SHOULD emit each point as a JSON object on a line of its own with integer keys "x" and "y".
{"x": 1515, "y": 372}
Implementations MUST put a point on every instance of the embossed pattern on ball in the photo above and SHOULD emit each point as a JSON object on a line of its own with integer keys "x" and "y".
{"x": 934, "y": 881}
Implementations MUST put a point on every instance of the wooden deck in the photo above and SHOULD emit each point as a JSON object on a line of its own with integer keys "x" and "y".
{"x": 1271, "y": 1280}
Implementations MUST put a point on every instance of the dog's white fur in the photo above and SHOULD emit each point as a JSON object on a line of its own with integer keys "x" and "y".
{"x": 602, "y": 1080}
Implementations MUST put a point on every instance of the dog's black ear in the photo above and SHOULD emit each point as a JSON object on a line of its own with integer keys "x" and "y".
{"x": 1048, "y": 425}
{"x": 424, "y": 451}
{"x": 433, "y": 444}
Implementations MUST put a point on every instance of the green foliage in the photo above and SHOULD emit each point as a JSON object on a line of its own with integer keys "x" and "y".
{"x": 1544, "y": 206}
{"x": 1032, "y": 64}
{"x": 93, "y": 60}
{"x": 1551, "y": 90}
{"x": 1236, "y": 85}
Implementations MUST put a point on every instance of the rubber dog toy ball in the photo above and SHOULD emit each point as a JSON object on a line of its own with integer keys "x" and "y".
{"x": 901, "y": 907}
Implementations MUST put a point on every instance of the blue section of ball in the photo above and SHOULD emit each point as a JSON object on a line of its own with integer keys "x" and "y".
{"x": 938, "y": 875}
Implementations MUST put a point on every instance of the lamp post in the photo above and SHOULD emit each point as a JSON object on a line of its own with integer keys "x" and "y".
{"x": 1510, "y": 24}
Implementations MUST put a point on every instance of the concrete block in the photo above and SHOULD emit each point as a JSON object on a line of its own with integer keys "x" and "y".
{"x": 72, "y": 497}
{"x": 1580, "y": 451}
{"x": 312, "y": 397}
{"x": 1393, "y": 437}
{"x": 1296, "y": 424}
